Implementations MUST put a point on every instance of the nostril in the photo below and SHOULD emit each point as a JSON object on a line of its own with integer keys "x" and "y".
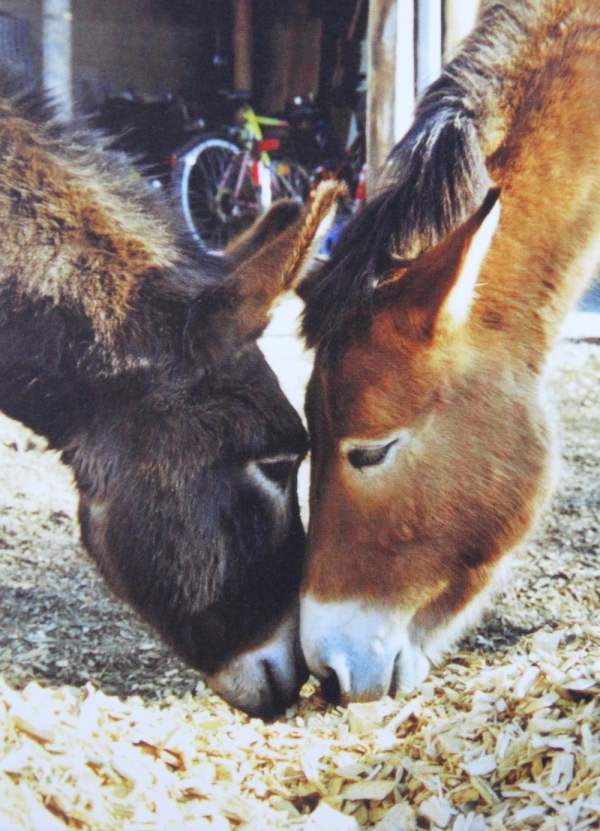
{"x": 336, "y": 677}
{"x": 348, "y": 676}
{"x": 330, "y": 686}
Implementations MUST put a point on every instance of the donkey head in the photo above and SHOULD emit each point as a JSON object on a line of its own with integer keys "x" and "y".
{"x": 188, "y": 481}
{"x": 138, "y": 360}
{"x": 427, "y": 453}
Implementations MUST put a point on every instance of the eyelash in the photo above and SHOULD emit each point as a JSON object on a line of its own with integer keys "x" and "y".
{"x": 361, "y": 457}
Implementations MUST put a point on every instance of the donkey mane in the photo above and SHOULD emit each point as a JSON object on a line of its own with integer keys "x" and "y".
{"x": 116, "y": 237}
{"x": 436, "y": 176}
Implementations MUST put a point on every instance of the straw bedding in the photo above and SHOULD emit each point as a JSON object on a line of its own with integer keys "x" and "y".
{"x": 100, "y": 728}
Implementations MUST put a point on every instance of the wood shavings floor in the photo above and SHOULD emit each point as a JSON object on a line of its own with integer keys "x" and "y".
{"x": 100, "y": 728}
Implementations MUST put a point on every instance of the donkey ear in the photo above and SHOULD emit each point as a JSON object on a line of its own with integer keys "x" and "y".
{"x": 478, "y": 234}
{"x": 313, "y": 230}
{"x": 438, "y": 289}
{"x": 274, "y": 222}
{"x": 273, "y": 259}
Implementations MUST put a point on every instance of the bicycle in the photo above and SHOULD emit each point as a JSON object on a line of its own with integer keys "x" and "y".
{"x": 224, "y": 180}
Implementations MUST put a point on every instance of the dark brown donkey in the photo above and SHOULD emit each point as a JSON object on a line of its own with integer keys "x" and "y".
{"x": 432, "y": 447}
{"x": 138, "y": 360}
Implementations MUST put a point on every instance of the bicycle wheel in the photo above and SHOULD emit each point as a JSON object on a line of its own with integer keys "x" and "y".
{"x": 215, "y": 191}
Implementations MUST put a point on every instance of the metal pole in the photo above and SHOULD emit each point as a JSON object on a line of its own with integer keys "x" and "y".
{"x": 56, "y": 37}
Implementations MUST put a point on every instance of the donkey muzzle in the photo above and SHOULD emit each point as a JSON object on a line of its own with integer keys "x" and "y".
{"x": 359, "y": 652}
{"x": 265, "y": 681}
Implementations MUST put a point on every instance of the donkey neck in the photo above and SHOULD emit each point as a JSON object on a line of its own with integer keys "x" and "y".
{"x": 546, "y": 166}
{"x": 502, "y": 64}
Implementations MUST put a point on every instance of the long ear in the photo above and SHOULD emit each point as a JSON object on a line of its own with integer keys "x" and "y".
{"x": 266, "y": 228}
{"x": 275, "y": 266}
{"x": 438, "y": 289}
{"x": 312, "y": 232}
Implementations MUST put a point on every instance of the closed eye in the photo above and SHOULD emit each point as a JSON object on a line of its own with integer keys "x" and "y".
{"x": 278, "y": 471}
{"x": 360, "y": 457}
{"x": 273, "y": 473}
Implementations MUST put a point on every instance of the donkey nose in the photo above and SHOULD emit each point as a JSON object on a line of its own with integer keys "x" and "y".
{"x": 262, "y": 687}
{"x": 349, "y": 676}
{"x": 265, "y": 681}
{"x": 360, "y": 652}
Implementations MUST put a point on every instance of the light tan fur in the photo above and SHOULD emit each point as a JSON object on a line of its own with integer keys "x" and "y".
{"x": 424, "y": 528}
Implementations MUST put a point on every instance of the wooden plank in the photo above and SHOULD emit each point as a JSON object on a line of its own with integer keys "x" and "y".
{"x": 304, "y": 79}
{"x": 404, "y": 87}
{"x": 391, "y": 79}
{"x": 281, "y": 53}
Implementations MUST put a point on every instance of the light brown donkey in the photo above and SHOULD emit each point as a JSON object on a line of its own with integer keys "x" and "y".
{"x": 432, "y": 450}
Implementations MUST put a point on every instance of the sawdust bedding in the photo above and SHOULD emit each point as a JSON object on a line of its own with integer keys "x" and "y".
{"x": 100, "y": 728}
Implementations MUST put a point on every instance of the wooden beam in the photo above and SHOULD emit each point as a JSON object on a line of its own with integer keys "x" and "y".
{"x": 242, "y": 45}
{"x": 404, "y": 86}
{"x": 305, "y": 71}
{"x": 380, "y": 86}
{"x": 391, "y": 79}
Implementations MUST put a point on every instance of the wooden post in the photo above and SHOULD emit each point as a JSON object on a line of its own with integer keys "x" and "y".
{"x": 280, "y": 51}
{"x": 391, "y": 79}
{"x": 56, "y": 38}
{"x": 304, "y": 78}
{"x": 381, "y": 33}
{"x": 404, "y": 86}
{"x": 242, "y": 45}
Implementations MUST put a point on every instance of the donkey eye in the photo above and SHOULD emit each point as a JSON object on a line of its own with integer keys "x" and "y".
{"x": 361, "y": 457}
{"x": 277, "y": 471}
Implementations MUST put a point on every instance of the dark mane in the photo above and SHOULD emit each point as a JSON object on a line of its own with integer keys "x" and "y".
{"x": 434, "y": 179}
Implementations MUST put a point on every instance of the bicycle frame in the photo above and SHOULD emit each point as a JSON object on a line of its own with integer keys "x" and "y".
{"x": 253, "y": 136}
{"x": 241, "y": 184}
{"x": 252, "y": 127}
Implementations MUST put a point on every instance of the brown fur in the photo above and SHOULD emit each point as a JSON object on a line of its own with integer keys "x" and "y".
{"x": 135, "y": 356}
{"x": 90, "y": 241}
{"x": 426, "y": 532}
{"x": 269, "y": 270}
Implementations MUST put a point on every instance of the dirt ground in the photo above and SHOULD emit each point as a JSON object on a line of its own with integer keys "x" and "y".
{"x": 60, "y": 627}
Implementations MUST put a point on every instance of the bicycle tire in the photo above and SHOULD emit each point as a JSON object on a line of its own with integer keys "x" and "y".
{"x": 214, "y": 202}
